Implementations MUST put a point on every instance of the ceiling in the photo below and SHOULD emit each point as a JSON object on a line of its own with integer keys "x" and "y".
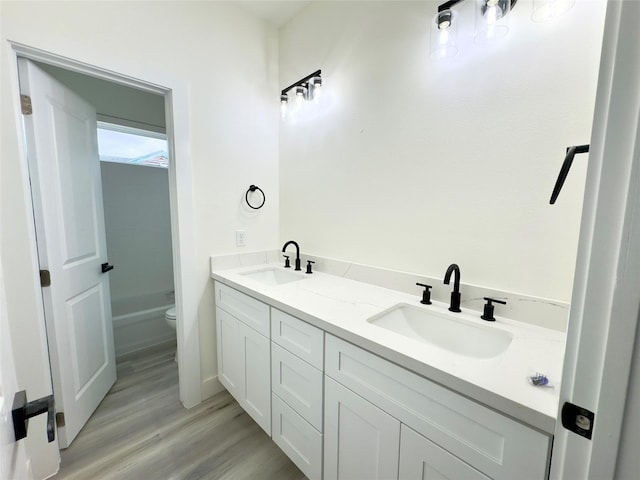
{"x": 276, "y": 12}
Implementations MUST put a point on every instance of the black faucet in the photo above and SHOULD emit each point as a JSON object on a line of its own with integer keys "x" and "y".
{"x": 297, "y": 253}
{"x": 455, "y": 295}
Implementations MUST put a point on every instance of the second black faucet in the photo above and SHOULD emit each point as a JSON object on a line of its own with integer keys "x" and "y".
{"x": 455, "y": 295}
{"x": 295, "y": 244}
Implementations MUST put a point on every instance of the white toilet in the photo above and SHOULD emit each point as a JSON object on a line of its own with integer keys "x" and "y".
{"x": 170, "y": 317}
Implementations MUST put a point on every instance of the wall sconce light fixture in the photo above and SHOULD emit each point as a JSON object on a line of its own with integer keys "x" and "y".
{"x": 491, "y": 24}
{"x": 305, "y": 89}
{"x": 491, "y": 19}
{"x": 444, "y": 31}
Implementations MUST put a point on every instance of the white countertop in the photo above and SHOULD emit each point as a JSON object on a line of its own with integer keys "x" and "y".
{"x": 341, "y": 307}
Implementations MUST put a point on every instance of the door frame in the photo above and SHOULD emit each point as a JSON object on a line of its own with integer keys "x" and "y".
{"x": 176, "y": 100}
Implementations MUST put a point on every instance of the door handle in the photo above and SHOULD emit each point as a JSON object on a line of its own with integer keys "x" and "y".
{"x": 106, "y": 267}
{"x": 22, "y": 411}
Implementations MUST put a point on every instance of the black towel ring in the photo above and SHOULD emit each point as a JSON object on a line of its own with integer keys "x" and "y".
{"x": 253, "y": 188}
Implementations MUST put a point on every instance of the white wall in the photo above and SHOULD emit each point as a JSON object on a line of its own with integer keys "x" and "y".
{"x": 137, "y": 219}
{"x": 13, "y": 456}
{"x": 228, "y": 60}
{"x": 412, "y": 164}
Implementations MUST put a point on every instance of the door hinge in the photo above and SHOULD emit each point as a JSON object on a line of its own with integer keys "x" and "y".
{"x": 25, "y": 104}
{"x": 60, "y": 419}
{"x": 45, "y": 278}
{"x": 578, "y": 420}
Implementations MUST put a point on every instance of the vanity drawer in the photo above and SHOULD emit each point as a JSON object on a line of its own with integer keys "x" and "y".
{"x": 297, "y": 383}
{"x": 496, "y": 445}
{"x": 297, "y": 438}
{"x": 248, "y": 310}
{"x": 300, "y": 338}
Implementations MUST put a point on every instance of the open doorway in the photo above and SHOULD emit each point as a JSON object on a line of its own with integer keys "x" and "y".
{"x": 70, "y": 199}
{"x": 174, "y": 94}
{"x": 135, "y": 193}
{"x": 134, "y": 168}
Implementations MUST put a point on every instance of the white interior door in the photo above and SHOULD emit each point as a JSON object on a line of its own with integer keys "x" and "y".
{"x": 606, "y": 294}
{"x": 67, "y": 197}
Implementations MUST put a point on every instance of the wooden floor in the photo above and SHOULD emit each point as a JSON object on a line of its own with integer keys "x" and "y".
{"x": 141, "y": 431}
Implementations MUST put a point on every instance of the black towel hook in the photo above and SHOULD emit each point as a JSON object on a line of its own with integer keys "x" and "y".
{"x": 564, "y": 170}
{"x": 253, "y": 188}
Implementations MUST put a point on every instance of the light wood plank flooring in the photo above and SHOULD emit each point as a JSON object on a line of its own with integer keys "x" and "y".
{"x": 141, "y": 431}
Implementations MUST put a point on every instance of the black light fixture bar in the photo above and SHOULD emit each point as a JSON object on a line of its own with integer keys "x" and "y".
{"x": 305, "y": 80}
{"x": 448, "y": 5}
{"x": 451, "y": 3}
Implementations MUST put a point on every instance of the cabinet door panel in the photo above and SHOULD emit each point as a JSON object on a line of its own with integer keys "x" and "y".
{"x": 229, "y": 353}
{"x": 361, "y": 441}
{"x": 421, "y": 459}
{"x": 257, "y": 377}
{"x": 297, "y": 438}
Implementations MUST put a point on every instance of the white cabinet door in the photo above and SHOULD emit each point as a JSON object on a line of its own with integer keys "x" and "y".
{"x": 244, "y": 366}
{"x": 230, "y": 370}
{"x": 493, "y": 443}
{"x": 421, "y": 459}
{"x": 256, "y": 391}
{"x": 297, "y": 438}
{"x": 361, "y": 441}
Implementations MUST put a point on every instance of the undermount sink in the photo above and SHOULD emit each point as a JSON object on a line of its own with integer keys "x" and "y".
{"x": 444, "y": 331}
{"x": 274, "y": 276}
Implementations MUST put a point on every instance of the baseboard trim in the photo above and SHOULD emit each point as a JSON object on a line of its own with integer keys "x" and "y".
{"x": 211, "y": 386}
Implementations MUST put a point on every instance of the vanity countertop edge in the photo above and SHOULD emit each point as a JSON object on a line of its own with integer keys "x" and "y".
{"x": 341, "y": 307}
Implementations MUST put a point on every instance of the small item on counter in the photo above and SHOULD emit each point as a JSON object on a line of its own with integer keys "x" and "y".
{"x": 539, "y": 380}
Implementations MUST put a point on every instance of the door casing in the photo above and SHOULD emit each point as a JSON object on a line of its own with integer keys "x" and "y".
{"x": 175, "y": 93}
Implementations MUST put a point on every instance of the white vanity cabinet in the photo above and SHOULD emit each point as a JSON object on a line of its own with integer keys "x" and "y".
{"x": 244, "y": 353}
{"x": 439, "y": 429}
{"x": 341, "y": 412}
{"x": 374, "y": 445}
{"x": 297, "y": 383}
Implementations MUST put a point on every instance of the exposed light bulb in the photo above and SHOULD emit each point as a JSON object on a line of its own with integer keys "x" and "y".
{"x": 301, "y": 94}
{"x": 315, "y": 88}
{"x": 317, "y": 93}
{"x": 443, "y": 39}
{"x": 443, "y": 35}
{"x": 491, "y": 21}
{"x": 443, "y": 20}
{"x": 493, "y": 12}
